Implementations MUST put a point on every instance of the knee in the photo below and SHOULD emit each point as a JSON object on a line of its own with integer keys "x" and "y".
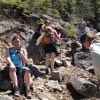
{"x": 12, "y": 70}
{"x": 27, "y": 72}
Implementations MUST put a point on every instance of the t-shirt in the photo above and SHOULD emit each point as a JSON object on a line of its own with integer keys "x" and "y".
{"x": 15, "y": 57}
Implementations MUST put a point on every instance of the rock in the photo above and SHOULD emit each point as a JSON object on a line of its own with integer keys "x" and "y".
{"x": 55, "y": 75}
{"x": 54, "y": 85}
{"x": 66, "y": 63}
{"x": 58, "y": 62}
{"x": 6, "y": 98}
{"x": 84, "y": 87}
{"x": 82, "y": 59}
{"x": 5, "y": 85}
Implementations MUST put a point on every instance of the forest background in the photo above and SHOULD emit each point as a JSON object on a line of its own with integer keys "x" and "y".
{"x": 68, "y": 10}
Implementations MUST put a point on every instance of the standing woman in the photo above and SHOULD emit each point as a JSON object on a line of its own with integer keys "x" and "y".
{"x": 50, "y": 47}
{"x": 16, "y": 59}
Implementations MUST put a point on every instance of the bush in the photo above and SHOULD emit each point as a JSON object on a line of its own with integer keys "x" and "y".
{"x": 70, "y": 31}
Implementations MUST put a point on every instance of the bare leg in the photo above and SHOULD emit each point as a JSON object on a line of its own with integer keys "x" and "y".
{"x": 27, "y": 76}
{"x": 52, "y": 60}
{"x": 13, "y": 76}
{"x": 47, "y": 60}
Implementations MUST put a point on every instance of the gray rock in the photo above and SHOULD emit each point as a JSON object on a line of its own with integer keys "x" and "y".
{"x": 55, "y": 75}
{"x": 54, "y": 85}
{"x": 58, "y": 62}
{"x": 84, "y": 87}
{"x": 66, "y": 63}
{"x": 6, "y": 98}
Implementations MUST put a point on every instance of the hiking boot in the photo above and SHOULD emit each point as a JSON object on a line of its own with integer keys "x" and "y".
{"x": 52, "y": 69}
{"x": 28, "y": 94}
{"x": 17, "y": 92}
{"x": 47, "y": 71}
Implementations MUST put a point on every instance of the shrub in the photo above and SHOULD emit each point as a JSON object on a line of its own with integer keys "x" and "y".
{"x": 70, "y": 31}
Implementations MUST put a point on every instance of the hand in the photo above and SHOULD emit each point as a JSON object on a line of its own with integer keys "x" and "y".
{"x": 12, "y": 66}
{"x": 21, "y": 53}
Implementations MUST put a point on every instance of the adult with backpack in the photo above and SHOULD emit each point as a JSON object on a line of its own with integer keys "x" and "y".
{"x": 49, "y": 40}
{"x": 19, "y": 74}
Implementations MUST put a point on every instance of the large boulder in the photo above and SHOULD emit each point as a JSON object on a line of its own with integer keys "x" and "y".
{"x": 84, "y": 87}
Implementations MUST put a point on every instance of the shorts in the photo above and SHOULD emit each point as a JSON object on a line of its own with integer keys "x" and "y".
{"x": 48, "y": 48}
{"x": 19, "y": 71}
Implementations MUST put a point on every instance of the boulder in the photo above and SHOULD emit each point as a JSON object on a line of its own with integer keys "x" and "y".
{"x": 84, "y": 87}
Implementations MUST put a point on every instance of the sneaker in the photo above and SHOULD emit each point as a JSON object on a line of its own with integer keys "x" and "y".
{"x": 47, "y": 71}
{"x": 28, "y": 94}
{"x": 17, "y": 92}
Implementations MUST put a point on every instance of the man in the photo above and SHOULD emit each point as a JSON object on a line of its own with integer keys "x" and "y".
{"x": 16, "y": 59}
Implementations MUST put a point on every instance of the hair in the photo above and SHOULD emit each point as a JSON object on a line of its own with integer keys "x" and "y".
{"x": 15, "y": 37}
{"x": 85, "y": 36}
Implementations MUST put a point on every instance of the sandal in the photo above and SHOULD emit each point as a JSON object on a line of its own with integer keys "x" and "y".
{"x": 28, "y": 94}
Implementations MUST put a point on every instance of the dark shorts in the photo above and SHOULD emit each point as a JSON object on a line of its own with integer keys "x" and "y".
{"x": 22, "y": 71}
{"x": 48, "y": 48}
{"x": 19, "y": 71}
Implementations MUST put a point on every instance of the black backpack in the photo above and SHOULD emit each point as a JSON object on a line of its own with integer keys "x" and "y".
{"x": 38, "y": 31}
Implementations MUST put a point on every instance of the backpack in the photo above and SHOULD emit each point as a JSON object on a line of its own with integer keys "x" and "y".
{"x": 48, "y": 38}
{"x": 38, "y": 31}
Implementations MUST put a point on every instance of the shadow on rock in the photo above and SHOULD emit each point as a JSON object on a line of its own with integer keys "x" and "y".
{"x": 35, "y": 71}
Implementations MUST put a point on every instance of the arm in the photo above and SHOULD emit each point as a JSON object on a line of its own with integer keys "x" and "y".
{"x": 9, "y": 59}
{"x": 56, "y": 34}
{"x": 23, "y": 54}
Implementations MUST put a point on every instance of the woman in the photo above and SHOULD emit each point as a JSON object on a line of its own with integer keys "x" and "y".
{"x": 16, "y": 59}
{"x": 49, "y": 39}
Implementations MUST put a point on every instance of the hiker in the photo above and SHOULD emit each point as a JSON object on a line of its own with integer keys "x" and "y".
{"x": 95, "y": 56}
{"x": 16, "y": 58}
{"x": 49, "y": 40}
{"x": 81, "y": 27}
{"x": 82, "y": 54}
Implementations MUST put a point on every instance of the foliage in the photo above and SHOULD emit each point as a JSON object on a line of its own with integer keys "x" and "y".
{"x": 70, "y": 31}
{"x": 88, "y": 9}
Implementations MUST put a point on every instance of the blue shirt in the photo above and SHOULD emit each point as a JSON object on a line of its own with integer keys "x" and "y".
{"x": 15, "y": 57}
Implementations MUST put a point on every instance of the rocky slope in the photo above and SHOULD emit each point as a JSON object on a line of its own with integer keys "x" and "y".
{"x": 65, "y": 83}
